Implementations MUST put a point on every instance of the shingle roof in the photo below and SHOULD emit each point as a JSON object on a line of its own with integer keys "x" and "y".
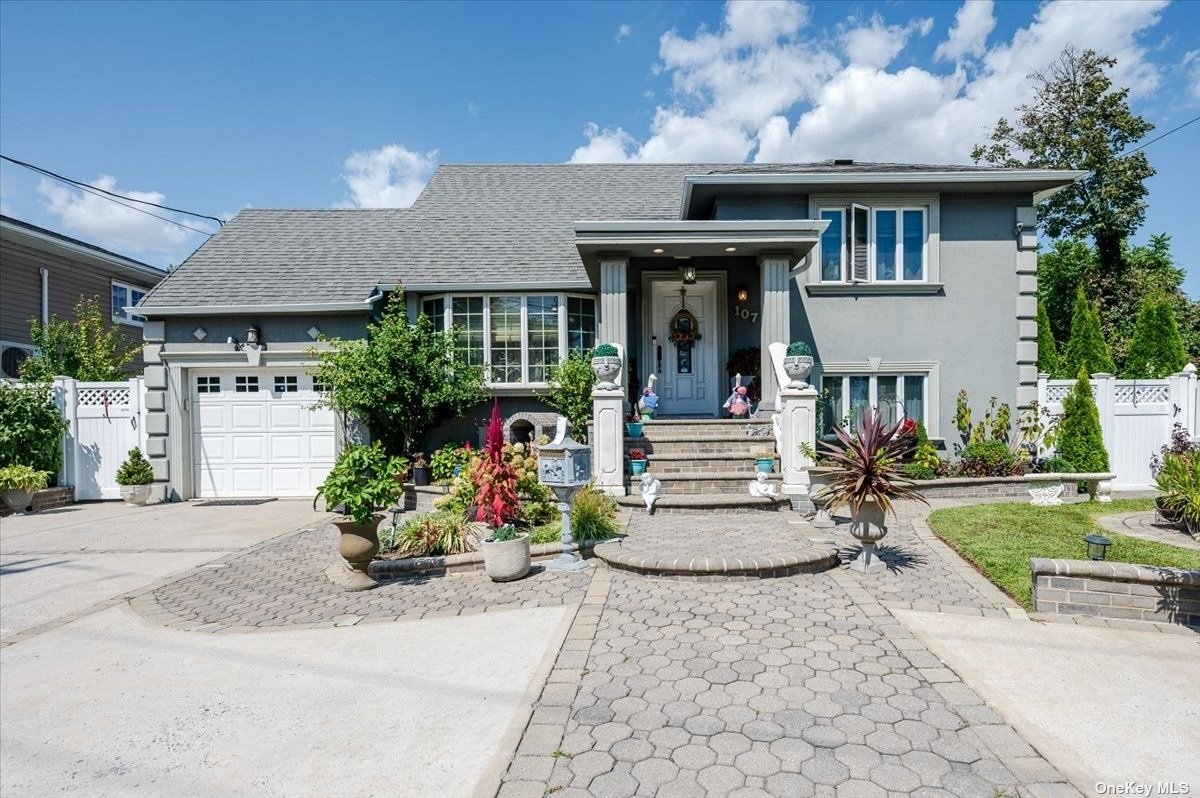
{"x": 494, "y": 223}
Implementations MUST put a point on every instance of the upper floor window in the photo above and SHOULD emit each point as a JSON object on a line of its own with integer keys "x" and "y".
{"x": 123, "y": 296}
{"x": 875, "y": 244}
{"x": 518, "y": 337}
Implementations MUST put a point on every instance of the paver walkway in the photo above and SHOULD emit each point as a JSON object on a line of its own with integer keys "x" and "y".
{"x": 1145, "y": 525}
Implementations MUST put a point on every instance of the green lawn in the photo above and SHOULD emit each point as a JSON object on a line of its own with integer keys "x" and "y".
{"x": 999, "y": 539}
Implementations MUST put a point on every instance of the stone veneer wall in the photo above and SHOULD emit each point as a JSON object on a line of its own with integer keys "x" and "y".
{"x": 983, "y": 487}
{"x": 1116, "y": 590}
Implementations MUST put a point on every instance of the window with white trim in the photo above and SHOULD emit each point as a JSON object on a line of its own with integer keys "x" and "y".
{"x": 898, "y": 396}
{"x": 244, "y": 384}
{"x": 123, "y": 296}
{"x": 286, "y": 384}
{"x": 875, "y": 244}
{"x": 519, "y": 337}
{"x": 208, "y": 385}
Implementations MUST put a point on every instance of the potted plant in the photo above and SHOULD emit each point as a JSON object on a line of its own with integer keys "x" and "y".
{"x": 1179, "y": 480}
{"x": 363, "y": 478}
{"x": 135, "y": 477}
{"x": 764, "y": 461}
{"x": 420, "y": 469}
{"x": 637, "y": 462}
{"x": 634, "y": 427}
{"x": 798, "y": 363}
{"x": 606, "y": 363}
{"x": 505, "y": 550}
{"x": 18, "y": 483}
{"x": 867, "y": 480}
{"x": 506, "y": 554}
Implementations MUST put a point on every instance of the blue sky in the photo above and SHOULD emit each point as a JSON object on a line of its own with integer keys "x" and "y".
{"x": 213, "y": 107}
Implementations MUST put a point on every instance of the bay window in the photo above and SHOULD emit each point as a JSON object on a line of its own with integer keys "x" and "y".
{"x": 875, "y": 244}
{"x": 518, "y": 337}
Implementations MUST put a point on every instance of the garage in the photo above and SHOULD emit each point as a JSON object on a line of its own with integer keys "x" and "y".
{"x": 255, "y": 432}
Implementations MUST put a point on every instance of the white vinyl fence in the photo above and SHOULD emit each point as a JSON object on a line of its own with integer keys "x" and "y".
{"x": 104, "y": 421}
{"x": 1136, "y": 417}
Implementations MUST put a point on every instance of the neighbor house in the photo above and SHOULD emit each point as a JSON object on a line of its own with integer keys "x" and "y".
{"x": 44, "y": 274}
{"x": 909, "y": 282}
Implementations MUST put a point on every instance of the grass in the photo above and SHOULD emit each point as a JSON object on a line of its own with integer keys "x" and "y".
{"x": 1000, "y": 539}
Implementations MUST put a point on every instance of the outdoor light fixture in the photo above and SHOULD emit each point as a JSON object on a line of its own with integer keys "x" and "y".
{"x": 658, "y": 250}
{"x": 252, "y": 336}
{"x": 1096, "y": 546}
{"x": 731, "y": 249}
{"x": 689, "y": 274}
{"x": 743, "y": 295}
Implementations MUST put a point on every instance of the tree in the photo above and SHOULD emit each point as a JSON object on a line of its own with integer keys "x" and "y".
{"x": 1048, "y": 362}
{"x": 90, "y": 348}
{"x": 1069, "y": 264}
{"x": 1079, "y": 121}
{"x": 31, "y": 427}
{"x": 401, "y": 380}
{"x": 1080, "y": 440}
{"x": 571, "y": 383}
{"x": 1086, "y": 348}
{"x": 1157, "y": 348}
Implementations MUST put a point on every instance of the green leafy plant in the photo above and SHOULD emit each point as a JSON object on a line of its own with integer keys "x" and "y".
{"x": 1080, "y": 439}
{"x": 1179, "y": 480}
{"x": 1053, "y": 465}
{"x": 1048, "y": 361}
{"x": 915, "y": 470}
{"x": 21, "y": 477}
{"x": 31, "y": 427}
{"x": 606, "y": 350}
{"x": 805, "y": 448}
{"x": 432, "y": 535}
{"x": 925, "y": 456}
{"x": 1156, "y": 349}
{"x": 867, "y": 463}
{"x": 571, "y": 383}
{"x": 503, "y": 534}
{"x": 994, "y": 426}
{"x": 363, "y": 478}
{"x": 447, "y": 460}
{"x": 594, "y": 515}
{"x": 88, "y": 347}
{"x": 987, "y": 459}
{"x": 798, "y": 348}
{"x": 402, "y": 379}
{"x": 135, "y": 470}
{"x": 1086, "y": 348}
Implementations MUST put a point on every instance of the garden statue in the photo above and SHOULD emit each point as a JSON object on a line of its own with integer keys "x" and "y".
{"x": 761, "y": 487}
{"x": 738, "y": 404}
{"x": 648, "y": 404}
{"x": 651, "y": 487}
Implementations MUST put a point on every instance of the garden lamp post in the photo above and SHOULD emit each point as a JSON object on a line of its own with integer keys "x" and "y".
{"x": 1097, "y": 546}
{"x": 565, "y": 466}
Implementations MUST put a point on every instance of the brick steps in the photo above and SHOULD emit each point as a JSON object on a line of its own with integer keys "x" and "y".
{"x": 701, "y": 482}
{"x": 705, "y": 502}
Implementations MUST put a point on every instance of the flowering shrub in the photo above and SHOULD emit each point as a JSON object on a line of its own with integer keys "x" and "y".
{"x": 1180, "y": 444}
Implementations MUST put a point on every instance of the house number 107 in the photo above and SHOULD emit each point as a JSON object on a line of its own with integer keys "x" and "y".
{"x": 743, "y": 312}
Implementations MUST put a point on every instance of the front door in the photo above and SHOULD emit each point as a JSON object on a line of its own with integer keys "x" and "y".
{"x": 689, "y": 382}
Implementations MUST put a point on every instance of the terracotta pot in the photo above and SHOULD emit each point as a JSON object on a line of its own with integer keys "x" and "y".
{"x": 16, "y": 500}
{"x": 358, "y": 544}
{"x": 136, "y": 495}
{"x": 506, "y": 560}
{"x": 868, "y": 528}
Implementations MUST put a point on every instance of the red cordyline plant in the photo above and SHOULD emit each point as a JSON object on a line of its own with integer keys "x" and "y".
{"x": 495, "y": 483}
{"x": 868, "y": 465}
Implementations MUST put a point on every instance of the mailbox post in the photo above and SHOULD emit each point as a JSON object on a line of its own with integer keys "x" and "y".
{"x": 565, "y": 466}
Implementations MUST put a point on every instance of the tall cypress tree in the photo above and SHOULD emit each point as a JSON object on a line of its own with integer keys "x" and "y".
{"x": 1156, "y": 349}
{"x": 1080, "y": 441}
{"x": 1086, "y": 348}
{"x": 1048, "y": 361}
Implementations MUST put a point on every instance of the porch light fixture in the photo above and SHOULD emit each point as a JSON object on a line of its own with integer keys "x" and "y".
{"x": 252, "y": 336}
{"x": 689, "y": 274}
{"x": 731, "y": 249}
{"x": 743, "y": 295}
{"x": 658, "y": 250}
{"x": 1096, "y": 546}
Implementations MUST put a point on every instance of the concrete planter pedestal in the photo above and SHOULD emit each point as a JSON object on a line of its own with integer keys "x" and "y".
{"x": 358, "y": 545}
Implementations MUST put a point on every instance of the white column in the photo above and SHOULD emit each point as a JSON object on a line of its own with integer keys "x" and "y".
{"x": 66, "y": 397}
{"x": 1105, "y": 403}
{"x": 798, "y": 427}
{"x": 608, "y": 441}
{"x": 776, "y": 321}
{"x": 613, "y": 326}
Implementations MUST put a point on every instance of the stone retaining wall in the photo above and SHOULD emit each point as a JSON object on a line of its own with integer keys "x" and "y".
{"x": 983, "y": 487}
{"x": 1116, "y": 590}
{"x": 384, "y": 570}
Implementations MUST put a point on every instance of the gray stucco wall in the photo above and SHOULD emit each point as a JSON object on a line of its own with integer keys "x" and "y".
{"x": 290, "y": 330}
{"x": 970, "y": 328}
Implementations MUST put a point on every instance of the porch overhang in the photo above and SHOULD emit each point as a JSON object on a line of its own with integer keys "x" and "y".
{"x": 695, "y": 238}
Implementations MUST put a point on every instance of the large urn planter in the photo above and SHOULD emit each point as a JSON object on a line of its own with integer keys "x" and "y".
{"x": 506, "y": 560}
{"x": 868, "y": 528}
{"x": 135, "y": 495}
{"x": 797, "y": 368}
{"x": 606, "y": 370}
{"x": 358, "y": 544}
{"x": 16, "y": 500}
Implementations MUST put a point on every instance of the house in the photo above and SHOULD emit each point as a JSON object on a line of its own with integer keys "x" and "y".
{"x": 44, "y": 274}
{"x": 910, "y": 282}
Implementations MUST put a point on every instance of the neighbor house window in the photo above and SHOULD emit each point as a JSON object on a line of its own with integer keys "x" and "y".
{"x": 124, "y": 296}
{"x": 519, "y": 337}
{"x": 898, "y": 396}
{"x": 874, "y": 244}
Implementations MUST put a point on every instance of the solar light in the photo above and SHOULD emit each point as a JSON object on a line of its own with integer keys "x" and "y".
{"x": 1096, "y": 546}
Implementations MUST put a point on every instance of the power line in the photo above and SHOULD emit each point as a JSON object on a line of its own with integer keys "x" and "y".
{"x": 120, "y": 199}
{"x": 1159, "y": 138}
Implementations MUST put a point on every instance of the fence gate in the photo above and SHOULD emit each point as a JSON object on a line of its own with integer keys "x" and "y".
{"x": 105, "y": 421}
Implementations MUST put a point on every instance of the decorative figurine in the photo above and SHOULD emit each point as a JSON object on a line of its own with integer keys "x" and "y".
{"x": 651, "y": 487}
{"x": 648, "y": 404}
{"x": 737, "y": 404}
{"x": 760, "y": 487}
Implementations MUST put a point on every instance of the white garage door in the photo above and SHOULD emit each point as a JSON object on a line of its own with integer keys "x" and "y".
{"x": 255, "y": 433}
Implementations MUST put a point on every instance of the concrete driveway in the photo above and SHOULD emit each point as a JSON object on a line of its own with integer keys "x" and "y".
{"x": 61, "y": 564}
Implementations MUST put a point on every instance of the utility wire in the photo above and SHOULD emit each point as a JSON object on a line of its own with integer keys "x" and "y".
{"x": 97, "y": 192}
{"x": 105, "y": 194}
{"x": 1159, "y": 138}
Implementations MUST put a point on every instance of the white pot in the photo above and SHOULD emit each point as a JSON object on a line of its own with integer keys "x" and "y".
{"x": 868, "y": 528}
{"x": 506, "y": 560}
{"x": 1045, "y": 492}
{"x": 798, "y": 367}
{"x": 137, "y": 495}
{"x": 606, "y": 369}
{"x": 16, "y": 499}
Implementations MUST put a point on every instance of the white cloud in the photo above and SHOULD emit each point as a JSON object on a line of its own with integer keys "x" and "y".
{"x": 107, "y": 223}
{"x": 472, "y": 109}
{"x": 623, "y": 33}
{"x": 1191, "y": 63}
{"x": 973, "y": 21}
{"x": 389, "y": 177}
{"x": 760, "y": 88}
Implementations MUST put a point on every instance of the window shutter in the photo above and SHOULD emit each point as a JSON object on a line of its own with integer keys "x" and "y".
{"x": 859, "y": 267}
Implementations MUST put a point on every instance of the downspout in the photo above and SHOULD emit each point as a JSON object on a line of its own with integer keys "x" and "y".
{"x": 45, "y": 295}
